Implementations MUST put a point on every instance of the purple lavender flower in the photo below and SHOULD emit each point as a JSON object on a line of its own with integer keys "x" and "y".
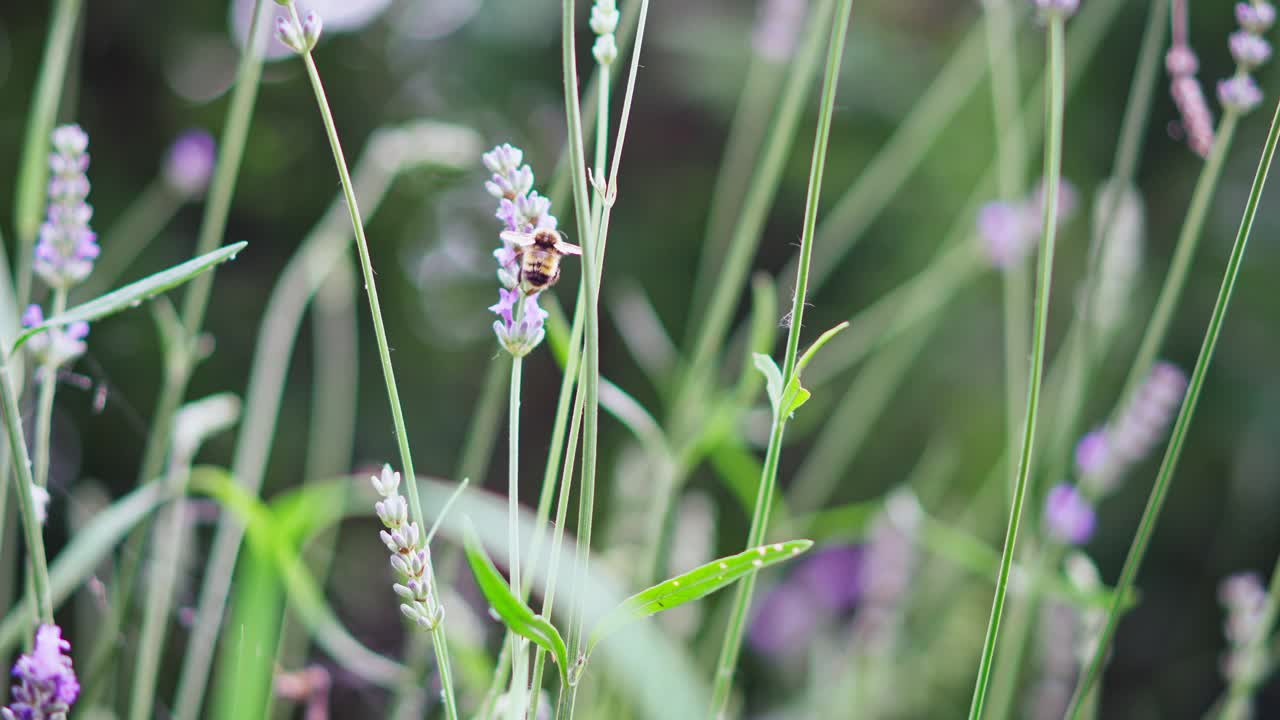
{"x": 521, "y": 209}
{"x": 55, "y": 346}
{"x": 519, "y": 336}
{"x": 832, "y": 576}
{"x": 1009, "y": 230}
{"x": 1068, "y": 515}
{"x": 67, "y": 247}
{"x": 1249, "y": 50}
{"x": 46, "y": 682}
{"x": 1244, "y": 598}
{"x": 784, "y": 622}
{"x": 1256, "y": 17}
{"x": 1239, "y": 93}
{"x": 189, "y": 164}
{"x": 1105, "y": 454}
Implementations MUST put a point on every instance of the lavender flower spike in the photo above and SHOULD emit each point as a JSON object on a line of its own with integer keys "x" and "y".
{"x": 67, "y": 247}
{"x": 189, "y": 164}
{"x": 46, "y": 684}
{"x": 410, "y": 557}
{"x": 1105, "y": 454}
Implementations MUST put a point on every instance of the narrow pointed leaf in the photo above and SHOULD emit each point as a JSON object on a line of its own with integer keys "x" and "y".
{"x": 133, "y": 294}
{"x": 695, "y": 585}
{"x": 772, "y": 378}
{"x": 817, "y": 345}
{"x": 515, "y": 614}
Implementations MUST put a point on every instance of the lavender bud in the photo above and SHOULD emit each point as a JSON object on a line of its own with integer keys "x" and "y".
{"x": 1181, "y": 60}
{"x": 1149, "y": 413}
{"x": 388, "y": 483}
{"x": 1007, "y": 232}
{"x": 1068, "y": 515}
{"x": 1239, "y": 93}
{"x": 604, "y": 17}
{"x": 288, "y": 33}
{"x": 189, "y": 163}
{"x": 503, "y": 159}
{"x": 402, "y": 591}
{"x": 1197, "y": 119}
{"x": 1249, "y": 50}
{"x": 1256, "y": 17}
{"x": 311, "y": 27}
{"x": 605, "y": 50}
{"x": 393, "y": 512}
{"x": 1093, "y": 452}
{"x": 399, "y": 563}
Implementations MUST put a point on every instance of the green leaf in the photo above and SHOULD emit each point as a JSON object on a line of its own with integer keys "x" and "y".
{"x": 772, "y": 378}
{"x": 817, "y": 345}
{"x": 794, "y": 397}
{"x": 514, "y": 612}
{"x": 133, "y": 294}
{"x": 694, "y": 585}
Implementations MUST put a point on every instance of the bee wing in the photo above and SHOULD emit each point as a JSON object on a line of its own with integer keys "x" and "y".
{"x": 517, "y": 238}
{"x": 565, "y": 248}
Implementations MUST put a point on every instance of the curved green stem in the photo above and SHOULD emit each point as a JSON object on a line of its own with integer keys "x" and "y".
{"x": 732, "y": 645}
{"x": 519, "y": 657}
{"x": 1052, "y": 172}
{"x": 384, "y": 355}
{"x": 1160, "y": 489}
{"x": 31, "y": 526}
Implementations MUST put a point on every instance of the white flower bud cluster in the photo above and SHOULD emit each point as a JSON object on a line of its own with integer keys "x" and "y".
{"x": 410, "y": 558}
{"x": 604, "y": 22}
{"x": 301, "y": 39}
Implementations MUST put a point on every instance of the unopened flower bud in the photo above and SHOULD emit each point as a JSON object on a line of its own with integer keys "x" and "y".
{"x": 1256, "y": 17}
{"x": 311, "y": 27}
{"x": 1249, "y": 50}
{"x": 605, "y": 49}
{"x": 290, "y": 34}
{"x": 1239, "y": 93}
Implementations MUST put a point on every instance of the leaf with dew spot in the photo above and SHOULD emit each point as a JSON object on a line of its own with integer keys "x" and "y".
{"x": 133, "y": 294}
{"x": 695, "y": 585}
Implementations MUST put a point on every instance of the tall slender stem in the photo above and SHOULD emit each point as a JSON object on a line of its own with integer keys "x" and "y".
{"x": 1052, "y": 171}
{"x": 31, "y": 526}
{"x": 384, "y": 355}
{"x": 519, "y": 658}
{"x": 768, "y": 480}
{"x": 1160, "y": 489}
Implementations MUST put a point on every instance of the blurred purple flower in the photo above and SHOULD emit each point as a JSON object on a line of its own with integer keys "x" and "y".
{"x": 832, "y": 577}
{"x": 778, "y": 28}
{"x": 1068, "y": 515}
{"x": 1092, "y": 452}
{"x": 1105, "y": 454}
{"x": 58, "y": 345}
{"x": 1239, "y": 93}
{"x": 1009, "y": 230}
{"x": 189, "y": 163}
{"x": 784, "y": 622}
{"x": 46, "y": 682}
{"x": 1256, "y": 17}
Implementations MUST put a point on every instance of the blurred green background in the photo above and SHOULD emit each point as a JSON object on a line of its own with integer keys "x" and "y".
{"x": 145, "y": 71}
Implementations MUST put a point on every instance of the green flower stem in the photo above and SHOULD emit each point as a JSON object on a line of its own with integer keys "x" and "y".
{"x": 1052, "y": 172}
{"x": 44, "y": 408}
{"x": 384, "y": 354}
{"x": 178, "y": 362}
{"x": 768, "y": 480}
{"x": 519, "y": 655}
{"x": 31, "y": 527}
{"x": 562, "y": 511}
{"x": 1243, "y": 686}
{"x": 1160, "y": 489}
{"x": 33, "y": 172}
{"x": 138, "y": 225}
{"x": 1080, "y": 352}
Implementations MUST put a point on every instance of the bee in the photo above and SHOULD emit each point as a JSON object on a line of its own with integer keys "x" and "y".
{"x": 539, "y": 253}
